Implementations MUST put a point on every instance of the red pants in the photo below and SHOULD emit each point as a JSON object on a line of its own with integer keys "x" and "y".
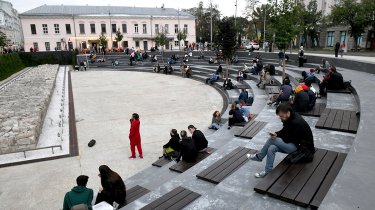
{"x": 139, "y": 148}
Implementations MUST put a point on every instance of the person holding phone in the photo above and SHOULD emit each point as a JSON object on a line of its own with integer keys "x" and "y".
{"x": 296, "y": 135}
{"x": 135, "y": 136}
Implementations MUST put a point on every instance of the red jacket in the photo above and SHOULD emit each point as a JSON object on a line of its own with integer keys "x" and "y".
{"x": 134, "y": 134}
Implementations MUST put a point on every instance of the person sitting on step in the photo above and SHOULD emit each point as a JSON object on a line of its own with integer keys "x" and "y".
{"x": 228, "y": 85}
{"x": 216, "y": 121}
{"x": 156, "y": 68}
{"x": 188, "y": 152}
{"x": 243, "y": 97}
{"x": 295, "y": 137}
{"x": 80, "y": 195}
{"x": 219, "y": 70}
{"x": 172, "y": 148}
{"x": 286, "y": 91}
{"x": 312, "y": 95}
{"x": 301, "y": 99}
{"x": 309, "y": 76}
{"x": 240, "y": 76}
{"x": 235, "y": 115}
{"x": 199, "y": 139}
{"x": 213, "y": 78}
{"x": 324, "y": 67}
{"x": 245, "y": 111}
{"x": 332, "y": 81}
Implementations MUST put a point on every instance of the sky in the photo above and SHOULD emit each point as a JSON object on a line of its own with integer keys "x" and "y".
{"x": 227, "y": 7}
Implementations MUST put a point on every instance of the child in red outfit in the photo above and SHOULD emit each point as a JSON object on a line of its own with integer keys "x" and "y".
{"x": 135, "y": 136}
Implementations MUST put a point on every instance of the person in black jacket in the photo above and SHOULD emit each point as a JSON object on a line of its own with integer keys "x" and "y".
{"x": 172, "y": 148}
{"x": 114, "y": 189}
{"x": 199, "y": 139}
{"x": 235, "y": 116}
{"x": 188, "y": 152}
{"x": 295, "y": 135}
{"x": 301, "y": 100}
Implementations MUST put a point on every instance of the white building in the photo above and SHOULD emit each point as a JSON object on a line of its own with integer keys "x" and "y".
{"x": 10, "y": 24}
{"x": 68, "y": 27}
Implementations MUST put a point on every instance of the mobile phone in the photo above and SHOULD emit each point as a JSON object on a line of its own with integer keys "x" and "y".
{"x": 271, "y": 134}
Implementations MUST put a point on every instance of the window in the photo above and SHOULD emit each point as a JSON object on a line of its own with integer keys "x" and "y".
{"x": 156, "y": 28}
{"x": 45, "y": 28}
{"x": 33, "y": 28}
{"x": 68, "y": 29}
{"x": 124, "y": 29}
{"x": 136, "y": 43}
{"x": 175, "y": 43}
{"x": 166, "y": 28}
{"x": 136, "y": 28}
{"x": 113, "y": 28}
{"x": 104, "y": 29}
{"x": 114, "y": 44}
{"x": 360, "y": 41}
{"x": 185, "y": 28}
{"x": 125, "y": 44}
{"x": 57, "y": 28}
{"x": 82, "y": 28}
{"x": 342, "y": 36}
{"x": 84, "y": 45}
{"x": 176, "y": 29}
{"x": 330, "y": 38}
{"x": 36, "y": 47}
{"x": 144, "y": 27}
{"x": 92, "y": 28}
{"x": 47, "y": 45}
{"x": 58, "y": 45}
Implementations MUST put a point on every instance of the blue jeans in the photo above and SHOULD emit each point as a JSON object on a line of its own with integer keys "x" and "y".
{"x": 271, "y": 147}
{"x": 215, "y": 126}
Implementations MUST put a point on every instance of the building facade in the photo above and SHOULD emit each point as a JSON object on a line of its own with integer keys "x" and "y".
{"x": 10, "y": 24}
{"x": 63, "y": 27}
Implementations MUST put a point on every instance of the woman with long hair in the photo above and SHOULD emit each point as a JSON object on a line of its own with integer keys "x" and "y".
{"x": 216, "y": 121}
{"x": 113, "y": 187}
{"x": 172, "y": 148}
{"x": 135, "y": 136}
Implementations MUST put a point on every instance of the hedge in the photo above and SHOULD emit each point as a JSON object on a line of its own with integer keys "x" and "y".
{"x": 10, "y": 64}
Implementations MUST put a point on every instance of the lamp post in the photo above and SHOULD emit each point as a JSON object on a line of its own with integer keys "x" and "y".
{"x": 211, "y": 24}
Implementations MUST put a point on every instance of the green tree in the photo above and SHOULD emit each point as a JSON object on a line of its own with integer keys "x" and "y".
{"x": 180, "y": 36}
{"x": 226, "y": 40}
{"x": 352, "y": 14}
{"x": 312, "y": 20}
{"x": 118, "y": 37}
{"x": 369, "y": 6}
{"x": 161, "y": 39}
{"x": 102, "y": 40}
{"x": 3, "y": 39}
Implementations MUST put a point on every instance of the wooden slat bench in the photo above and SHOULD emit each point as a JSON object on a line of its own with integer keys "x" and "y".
{"x": 173, "y": 200}
{"x": 226, "y": 165}
{"x": 303, "y": 184}
{"x": 338, "y": 120}
{"x": 161, "y": 162}
{"x": 316, "y": 111}
{"x": 182, "y": 166}
{"x": 135, "y": 193}
{"x": 251, "y": 129}
{"x": 245, "y": 123}
{"x": 346, "y": 90}
{"x": 242, "y": 86}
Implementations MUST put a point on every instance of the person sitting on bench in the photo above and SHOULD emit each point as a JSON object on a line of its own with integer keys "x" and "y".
{"x": 214, "y": 77}
{"x": 270, "y": 69}
{"x": 243, "y": 97}
{"x": 228, "y": 85}
{"x": 245, "y": 111}
{"x": 235, "y": 115}
{"x": 301, "y": 102}
{"x": 312, "y": 96}
{"x": 79, "y": 195}
{"x": 295, "y": 137}
{"x": 219, "y": 70}
{"x": 324, "y": 67}
{"x": 156, "y": 68}
{"x": 309, "y": 76}
{"x": 199, "y": 139}
{"x": 286, "y": 91}
{"x": 216, "y": 121}
{"x": 211, "y": 60}
{"x": 332, "y": 81}
{"x": 240, "y": 76}
{"x": 172, "y": 148}
{"x": 188, "y": 152}
{"x": 113, "y": 187}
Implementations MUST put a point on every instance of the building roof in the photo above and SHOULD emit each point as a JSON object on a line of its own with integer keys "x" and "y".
{"x": 102, "y": 10}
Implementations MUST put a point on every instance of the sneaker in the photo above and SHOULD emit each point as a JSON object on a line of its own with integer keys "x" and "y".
{"x": 260, "y": 175}
{"x": 141, "y": 156}
{"x": 253, "y": 157}
{"x": 229, "y": 127}
{"x": 132, "y": 157}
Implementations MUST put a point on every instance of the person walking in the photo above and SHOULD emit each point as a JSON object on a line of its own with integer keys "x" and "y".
{"x": 342, "y": 48}
{"x": 301, "y": 59}
{"x": 135, "y": 136}
{"x": 337, "y": 48}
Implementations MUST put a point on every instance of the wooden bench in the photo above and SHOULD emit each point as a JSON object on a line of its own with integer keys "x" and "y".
{"x": 241, "y": 86}
{"x": 272, "y": 90}
{"x": 226, "y": 165}
{"x": 135, "y": 193}
{"x": 338, "y": 120}
{"x": 316, "y": 111}
{"x": 303, "y": 184}
{"x": 173, "y": 200}
{"x": 161, "y": 162}
{"x": 245, "y": 123}
{"x": 183, "y": 166}
{"x": 346, "y": 90}
{"x": 251, "y": 129}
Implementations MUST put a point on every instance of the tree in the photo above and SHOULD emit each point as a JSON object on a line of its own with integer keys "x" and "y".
{"x": 3, "y": 39}
{"x": 312, "y": 20}
{"x": 161, "y": 39}
{"x": 102, "y": 41}
{"x": 118, "y": 37}
{"x": 181, "y": 36}
{"x": 226, "y": 40}
{"x": 352, "y": 14}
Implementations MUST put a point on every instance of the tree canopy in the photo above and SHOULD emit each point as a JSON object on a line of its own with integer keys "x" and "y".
{"x": 118, "y": 37}
{"x": 102, "y": 40}
{"x": 3, "y": 39}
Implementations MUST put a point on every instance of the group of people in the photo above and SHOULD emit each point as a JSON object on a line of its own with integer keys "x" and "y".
{"x": 182, "y": 147}
{"x": 239, "y": 113}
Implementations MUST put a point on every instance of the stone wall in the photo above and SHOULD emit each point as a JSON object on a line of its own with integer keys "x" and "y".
{"x": 23, "y": 106}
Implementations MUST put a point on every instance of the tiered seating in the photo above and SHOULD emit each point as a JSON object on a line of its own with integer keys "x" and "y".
{"x": 135, "y": 193}
{"x": 338, "y": 120}
{"x": 316, "y": 111}
{"x": 182, "y": 166}
{"x": 251, "y": 129}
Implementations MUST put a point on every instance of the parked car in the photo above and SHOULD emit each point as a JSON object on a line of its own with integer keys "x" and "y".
{"x": 252, "y": 45}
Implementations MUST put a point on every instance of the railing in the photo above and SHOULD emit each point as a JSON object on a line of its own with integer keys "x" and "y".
{"x": 24, "y": 151}
{"x": 13, "y": 80}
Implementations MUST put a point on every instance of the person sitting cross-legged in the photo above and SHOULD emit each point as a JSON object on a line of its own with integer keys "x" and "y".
{"x": 228, "y": 85}
{"x": 213, "y": 78}
{"x": 172, "y": 148}
{"x": 188, "y": 152}
{"x": 216, "y": 121}
{"x": 199, "y": 139}
{"x": 235, "y": 116}
{"x": 80, "y": 195}
{"x": 295, "y": 136}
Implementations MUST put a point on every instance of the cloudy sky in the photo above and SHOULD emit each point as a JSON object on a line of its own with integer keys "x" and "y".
{"x": 226, "y": 7}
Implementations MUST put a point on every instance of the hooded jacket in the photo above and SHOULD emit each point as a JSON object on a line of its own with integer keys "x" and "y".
{"x": 188, "y": 152}
{"x": 134, "y": 135}
{"x": 78, "y": 195}
{"x": 174, "y": 143}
